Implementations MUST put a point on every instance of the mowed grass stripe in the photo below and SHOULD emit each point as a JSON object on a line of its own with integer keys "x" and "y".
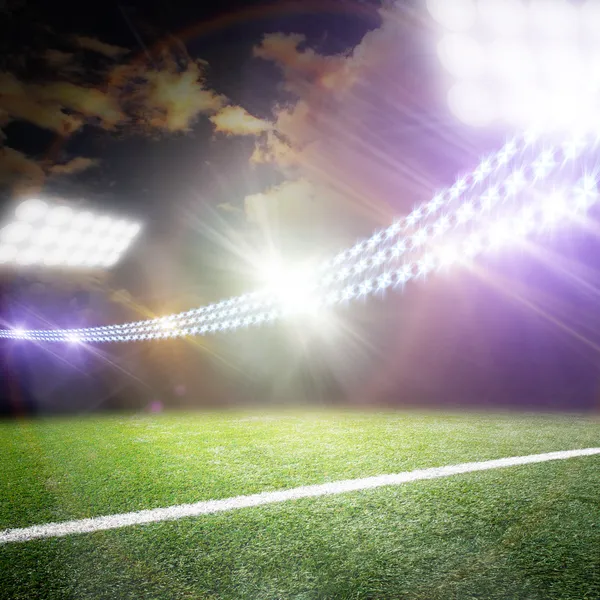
{"x": 202, "y": 508}
{"x": 58, "y": 470}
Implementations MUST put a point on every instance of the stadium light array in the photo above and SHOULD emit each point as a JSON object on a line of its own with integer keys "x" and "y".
{"x": 521, "y": 62}
{"x": 47, "y": 235}
{"x": 527, "y": 187}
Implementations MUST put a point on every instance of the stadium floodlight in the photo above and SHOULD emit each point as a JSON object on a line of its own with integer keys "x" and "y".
{"x": 521, "y": 62}
{"x": 59, "y": 236}
{"x": 292, "y": 288}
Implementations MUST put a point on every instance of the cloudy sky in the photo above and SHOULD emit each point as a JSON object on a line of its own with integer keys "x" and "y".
{"x": 231, "y": 131}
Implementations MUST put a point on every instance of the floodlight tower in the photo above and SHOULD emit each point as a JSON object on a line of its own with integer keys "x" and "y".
{"x": 52, "y": 235}
{"x": 528, "y": 63}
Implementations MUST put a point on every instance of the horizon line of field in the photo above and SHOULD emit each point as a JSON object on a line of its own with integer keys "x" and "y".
{"x": 180, "y": 511}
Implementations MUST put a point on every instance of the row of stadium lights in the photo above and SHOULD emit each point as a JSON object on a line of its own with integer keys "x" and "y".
{"x": 41, "y": 234}
{"x": 374, "y": 265}
{"x": 466, "y": 185}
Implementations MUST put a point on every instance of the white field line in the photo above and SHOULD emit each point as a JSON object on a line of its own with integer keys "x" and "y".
{"x": 181, "y": 511}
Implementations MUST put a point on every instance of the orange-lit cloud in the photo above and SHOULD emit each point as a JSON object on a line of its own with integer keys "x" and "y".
{"x": 15, "y": 166}
{"x": 88, "y": 102}
{"x": 304, "y": 67}
{"x": 342, "y": 133}
{"x": 272, "y": 148}
{"x": 20, "y": 102}
{"x": 95, "y": 45}
{"x": 76, "y": 165}
{"x": 175, "y": 99}
{"x": 164, "y": 92}
{"x": 168, "y": 94}
{"x": 235, "y": 120}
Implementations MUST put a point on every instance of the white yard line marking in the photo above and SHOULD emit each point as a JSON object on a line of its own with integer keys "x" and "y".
{"x": 181, "y": 511}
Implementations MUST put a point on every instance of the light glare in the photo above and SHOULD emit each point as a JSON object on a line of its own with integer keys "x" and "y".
{"x": 31, "y": 210}
{"x": 15, "y": 232}
{"x": 537, "y": 62}
{"x": 455, "y": 15}
{"x": 48, "y": 235}
{"x": 60, "y": 215}
{"x": 7, "y": 253}
{"x": 83, "y": 220}
{"x": 504, "y": 17}
{"x": 553, "y": 17}
{"x": 461, "y": 55}
{"x": 471, "y": 103}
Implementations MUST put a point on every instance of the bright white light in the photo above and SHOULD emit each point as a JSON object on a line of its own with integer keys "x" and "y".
{"x": 505, "y": 17}
{"x": 461, "y": 55}
{"x": 562, "y": 65}
{"x": 111, "y": 259}
{"x": 539, "y": 61}
{"x": 119, "y": 228}
{"x": 120, "y": 245}
{"x": 292, "y": 287}
{"x": 555, "y": 207}
{"x": 473, "y": 245}
{"x": 76, "y": 259}
{"x": 56, "y": 257}
{"x": 471, "y": 103}
{"x": 586, "y": 192}
{"x": 84, "y": 220}
{"x": 448, "y": 255}
{"x": 564, "y": 110}
{"x": 31, "y": 210}
{"x": 456, "y": 15}
{"x": 48, "y": 235}
{"x": 94, "y": 260}
{"x": 553, "y": 17}
{"x": 30, "y": 256}
{"x": 524, "y": 105}
{"x": 91, "y": 240}
{"x": 525, "y": 222}
{"x": 133, "y": 230}
{"x": 500, "y": 233}
{"x": 69, "y": 238}
{"x": 102, "y": 224}
{"x": 15, "y": 232}
{"x": 511, "y": 60}
{"x": 108, "y": 243}
{"x": 60, "y": 215}
{"x": 590, "y": 17}
{"x": 7, "y": 253}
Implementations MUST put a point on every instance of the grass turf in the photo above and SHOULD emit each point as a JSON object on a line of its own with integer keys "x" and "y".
{"x": 525, "y": 532}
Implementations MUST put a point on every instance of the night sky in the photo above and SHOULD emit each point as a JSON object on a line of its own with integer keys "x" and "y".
{"x": 234, "y": 129}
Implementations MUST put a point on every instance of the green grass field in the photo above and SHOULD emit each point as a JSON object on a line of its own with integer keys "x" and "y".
{"x": 528, "y": 532}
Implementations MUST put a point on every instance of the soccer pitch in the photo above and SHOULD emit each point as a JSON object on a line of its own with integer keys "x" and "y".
{"x": 530, "y": 531}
